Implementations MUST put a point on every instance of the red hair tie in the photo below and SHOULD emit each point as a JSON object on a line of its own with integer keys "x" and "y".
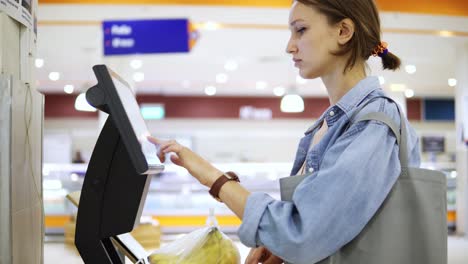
{"x": 380, "y": 49}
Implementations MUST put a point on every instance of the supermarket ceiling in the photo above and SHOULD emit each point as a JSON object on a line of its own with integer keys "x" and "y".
{"x": 241, "y": 48}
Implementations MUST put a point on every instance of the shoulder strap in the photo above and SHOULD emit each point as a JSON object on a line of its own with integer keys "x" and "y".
{"x": 400, "y": 132}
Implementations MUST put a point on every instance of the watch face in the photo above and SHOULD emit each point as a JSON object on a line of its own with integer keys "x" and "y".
{"x": 232, "y": 176}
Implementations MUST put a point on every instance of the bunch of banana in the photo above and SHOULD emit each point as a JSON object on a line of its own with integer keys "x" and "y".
{"x": 215, "y": 249}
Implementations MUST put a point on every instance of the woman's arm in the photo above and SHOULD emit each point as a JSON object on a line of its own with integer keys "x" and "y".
{"x": 231, "y": 193}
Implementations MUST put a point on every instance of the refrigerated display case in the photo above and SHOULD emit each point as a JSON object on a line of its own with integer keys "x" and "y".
{"x": 180, "y": 204}
{"x": 175, "y": 199}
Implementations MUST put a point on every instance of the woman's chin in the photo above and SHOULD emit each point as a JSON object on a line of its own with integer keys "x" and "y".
{"x": 307, "y": 74}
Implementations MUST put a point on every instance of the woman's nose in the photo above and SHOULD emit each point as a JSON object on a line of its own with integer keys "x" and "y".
{"x": 291, "y": 46}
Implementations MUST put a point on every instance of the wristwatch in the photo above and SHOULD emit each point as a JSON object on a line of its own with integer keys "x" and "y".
{"x": 216, "y": 187}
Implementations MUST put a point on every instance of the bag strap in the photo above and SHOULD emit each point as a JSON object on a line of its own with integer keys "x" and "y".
{"x": 400, "y": 132}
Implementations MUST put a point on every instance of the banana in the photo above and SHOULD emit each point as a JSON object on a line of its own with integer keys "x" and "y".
{"x": 216, "y": 248}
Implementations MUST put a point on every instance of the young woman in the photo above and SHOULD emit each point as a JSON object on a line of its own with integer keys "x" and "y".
{"x": 350, "y": 167}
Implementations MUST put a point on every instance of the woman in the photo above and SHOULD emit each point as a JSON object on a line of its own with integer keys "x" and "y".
{"x": 350, "y": 167}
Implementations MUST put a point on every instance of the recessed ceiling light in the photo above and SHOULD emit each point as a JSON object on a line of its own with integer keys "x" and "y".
{"x": 231, "y": 65}
{"x": 68, "y": 89}
{"x": 261, "y": 85}
{"x": 452, "y": 82}
{"x": 54, "y": 76}
{"x": 210, "y": 90}
{"x": 300, "y": 80}
{"x": 221, "y": 78}
{"x": 292, "y": 103}
{"x": 138, "y": 76}
{"x": 136, "y": 64}
{"x": 409, "y": 93}
{"x": 381, "y": 80}
{"x": 410, "y": 69}
{"x": 279, "y": 91}
{"x": 39, "y": 63}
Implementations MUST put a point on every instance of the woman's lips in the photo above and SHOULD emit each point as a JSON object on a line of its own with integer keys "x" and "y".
{"x": 297, "y": 62}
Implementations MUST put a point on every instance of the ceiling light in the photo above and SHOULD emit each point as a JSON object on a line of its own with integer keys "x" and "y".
{"x": 446, "y": 33}
{"x": 54, "y": 76}
{"x": 136, "y": 64}
{"x": 74, "y": 177}
{"x": 210, "y": 90}
{"x": 138, "y": 76}
{"x": 68, "y": 89}
{"x": 81, "y": 104}
{"x": 221, "y": 78}
{"x": 279, "y": 91}
{"x": 210, "y": 25}
{"x": 300, "y": 80}
{"x": 381, "y": 80}
{"x": 453, "y": 174}
{"x": 261, "y": 85}
{"x": 231, "y": 65}
{"x": 396, "y": 87}
{"x": 452, "y": 82}
{"x": 410, "y": 69}
{"x": 39, "y": 63}
{"x": 292, "y": 103}
{"x": 409, "y": 93}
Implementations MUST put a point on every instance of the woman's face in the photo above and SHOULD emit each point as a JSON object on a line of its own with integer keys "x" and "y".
{"x": 312, "y": 39}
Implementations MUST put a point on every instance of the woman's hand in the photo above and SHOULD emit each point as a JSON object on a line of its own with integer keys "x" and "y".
{"x": 198, "y": 167}
{"x": 262, "y": 255}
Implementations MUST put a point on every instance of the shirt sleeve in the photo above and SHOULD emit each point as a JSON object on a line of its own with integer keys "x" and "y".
{"x": 331, "y": 206}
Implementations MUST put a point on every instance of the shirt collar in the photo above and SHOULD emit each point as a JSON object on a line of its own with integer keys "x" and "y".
{"x": 355, "y": 96}
{"x": 351, "y": 99}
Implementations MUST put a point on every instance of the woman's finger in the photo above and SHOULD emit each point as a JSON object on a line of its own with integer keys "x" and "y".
{"x": 256, "y": 255}
{"x": 161, "y": 157}
{"x": 175, "y": 159}
{"x": 249, "y": 258}
{"x": 273, "y": 260}
{"x": 176, "y": 148}
{"x": 264, "y": 256}
{"x": 154, "y": 140}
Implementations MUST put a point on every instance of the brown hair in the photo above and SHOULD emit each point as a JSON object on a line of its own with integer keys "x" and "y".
{"x": 367, "y": 32}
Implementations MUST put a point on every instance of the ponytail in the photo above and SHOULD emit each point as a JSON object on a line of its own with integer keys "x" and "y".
{"x": 390, "y": 61}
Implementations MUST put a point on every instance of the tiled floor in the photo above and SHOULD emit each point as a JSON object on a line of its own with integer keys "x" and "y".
{"x": 53, "y": 251}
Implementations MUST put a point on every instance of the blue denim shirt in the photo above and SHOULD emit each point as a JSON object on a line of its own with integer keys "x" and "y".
{"x": 352, "y": 171}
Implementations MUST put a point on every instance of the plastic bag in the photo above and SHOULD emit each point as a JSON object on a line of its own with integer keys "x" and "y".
{"x": 203, "y": 246}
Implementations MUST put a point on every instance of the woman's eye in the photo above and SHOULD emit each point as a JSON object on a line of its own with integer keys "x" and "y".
{"x": 301, "y": 30}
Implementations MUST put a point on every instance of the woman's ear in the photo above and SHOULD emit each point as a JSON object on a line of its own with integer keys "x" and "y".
{"x": 346, "y": 28}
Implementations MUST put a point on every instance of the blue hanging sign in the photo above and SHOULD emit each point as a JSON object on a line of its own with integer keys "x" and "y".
{"x": 125, "y": 37}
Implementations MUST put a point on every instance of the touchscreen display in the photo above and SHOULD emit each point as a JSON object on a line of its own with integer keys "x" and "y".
{"x": 127, "y": 97}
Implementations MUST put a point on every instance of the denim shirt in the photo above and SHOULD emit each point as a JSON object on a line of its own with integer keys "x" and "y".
{"x": 351, "y": 173}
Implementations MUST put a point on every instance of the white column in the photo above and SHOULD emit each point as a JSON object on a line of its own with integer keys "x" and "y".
{"x": 461, "y": 104}
{"x": 21, "y": 123}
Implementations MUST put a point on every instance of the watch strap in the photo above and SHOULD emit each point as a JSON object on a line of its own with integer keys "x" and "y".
{"x": 216, "y": 187}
